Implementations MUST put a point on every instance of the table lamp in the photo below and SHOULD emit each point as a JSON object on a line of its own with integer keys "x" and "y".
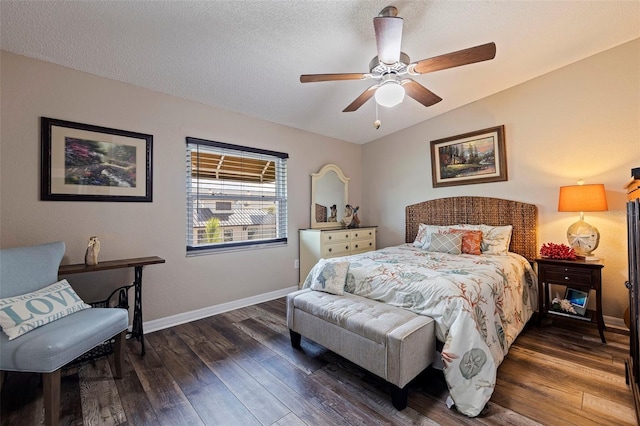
{"x": 582, "y": 237}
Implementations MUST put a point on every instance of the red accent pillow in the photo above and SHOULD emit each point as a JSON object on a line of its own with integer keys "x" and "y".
{"x": 471, "y": 240}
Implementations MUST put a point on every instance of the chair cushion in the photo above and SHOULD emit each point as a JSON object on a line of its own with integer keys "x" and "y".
{"x": 54, "y": 345}
{"x": 26, "y": 269}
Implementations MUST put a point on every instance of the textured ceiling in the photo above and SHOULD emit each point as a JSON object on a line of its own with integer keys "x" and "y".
{"x": 247, "y": 56}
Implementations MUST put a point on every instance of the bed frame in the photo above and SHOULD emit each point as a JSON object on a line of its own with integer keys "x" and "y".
{"x": 479, "y": 210}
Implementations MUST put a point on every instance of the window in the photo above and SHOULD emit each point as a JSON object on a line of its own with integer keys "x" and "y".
{"x": 236, "y": 196}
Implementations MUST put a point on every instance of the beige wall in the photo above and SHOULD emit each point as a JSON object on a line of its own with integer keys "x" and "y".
{"x": 578, "y": 122}
{"x": 582, "y": 121}
{"x": 31, "y": 89}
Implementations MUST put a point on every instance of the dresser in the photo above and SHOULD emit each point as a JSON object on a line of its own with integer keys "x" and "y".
{"x": 316, "y": 244}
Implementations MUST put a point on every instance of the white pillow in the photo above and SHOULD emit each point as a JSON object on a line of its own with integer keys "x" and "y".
{"x": 23, "y": 313}
{"x": 446, "y": 243}
{"x": 424, "y": 234}
{"x": 330, "y": 277}
{"x": 495, "y": 239}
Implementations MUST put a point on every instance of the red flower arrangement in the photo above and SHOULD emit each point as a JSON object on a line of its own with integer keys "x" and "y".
{"x": 558, "y": 251}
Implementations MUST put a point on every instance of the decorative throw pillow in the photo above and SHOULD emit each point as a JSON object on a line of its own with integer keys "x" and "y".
{"x": 471, "y": 240}
{"x": 421, "y": 238}
{"x": 427, "y": 232}
{"x": 330, "y": 277}
{"x": 446, "y": 243}
{"x": 23, "y": 313}
{"x": 496, "y": 239}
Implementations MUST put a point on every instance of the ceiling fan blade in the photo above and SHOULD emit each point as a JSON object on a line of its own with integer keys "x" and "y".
{"x": 312, "y": 78}
{"x": 360, "y": 100}
{"x": 388, "y": 38}
{"x": 484, "y": 52}
{"x": 420, "y": 93}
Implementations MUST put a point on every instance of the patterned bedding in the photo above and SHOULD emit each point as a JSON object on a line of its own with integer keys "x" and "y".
{"x": 479, "y": 303}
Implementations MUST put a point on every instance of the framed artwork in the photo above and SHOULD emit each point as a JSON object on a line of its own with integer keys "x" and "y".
{"x": 81, "y": 162}
{"x": 475, "y": 157}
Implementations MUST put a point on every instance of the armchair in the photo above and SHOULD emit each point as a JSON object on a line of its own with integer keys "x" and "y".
{"x": 46, "y": 349}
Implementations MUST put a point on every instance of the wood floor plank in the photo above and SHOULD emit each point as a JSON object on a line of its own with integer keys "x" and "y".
{"x": 302, "y": 408}
{"x": 217, "y": 405}
{"x": 135, "y": 402}
{"x": 238, "y": 368}
{"x": 187, "y": 369}
{"x": 618, "y": 414}
{"x": 100, "y": 398}
{"x": 308, "y": 387}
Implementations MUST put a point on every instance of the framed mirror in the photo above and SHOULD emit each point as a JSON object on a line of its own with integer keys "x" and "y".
{"x": 329, "y": 196}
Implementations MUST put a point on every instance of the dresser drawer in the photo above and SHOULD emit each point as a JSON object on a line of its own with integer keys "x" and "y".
{"x": 360, "y": 246}
{"x": 335, "y": 236}
{"x": 567, "y": 276}
{"x": 363, "y": 234}
{"x": 337, "y": 249}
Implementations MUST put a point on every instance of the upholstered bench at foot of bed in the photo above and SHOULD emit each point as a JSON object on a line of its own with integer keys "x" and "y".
{"x": 390, "y": 342}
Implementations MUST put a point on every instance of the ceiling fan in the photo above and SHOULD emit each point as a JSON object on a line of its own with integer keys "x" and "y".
{"x": 392, "y": 68}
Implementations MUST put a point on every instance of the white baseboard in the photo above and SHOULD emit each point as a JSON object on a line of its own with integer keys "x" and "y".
{"x": 173, "y": 320}
{"x": 614, "y": 322}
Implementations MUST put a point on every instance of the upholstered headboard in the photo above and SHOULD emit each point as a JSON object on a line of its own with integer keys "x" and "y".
{"x": 475, "y": 211}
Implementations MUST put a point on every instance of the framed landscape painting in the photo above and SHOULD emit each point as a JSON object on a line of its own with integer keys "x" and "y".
{"x": 81, "y": 162}
{"x": 475, "y": 157}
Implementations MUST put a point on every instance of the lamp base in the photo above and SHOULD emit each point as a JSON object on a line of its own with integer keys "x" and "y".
{"x": 583, "y": 238}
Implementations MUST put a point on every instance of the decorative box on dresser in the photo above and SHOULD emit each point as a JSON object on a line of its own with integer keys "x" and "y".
{"x": 633, "y": 234}
{"x": 316, "y": 244}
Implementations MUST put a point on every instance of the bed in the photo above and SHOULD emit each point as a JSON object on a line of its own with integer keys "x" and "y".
{"x": 480, "y": 303}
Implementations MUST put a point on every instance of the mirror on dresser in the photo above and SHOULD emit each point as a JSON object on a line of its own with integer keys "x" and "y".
{"x": 329, "y": 187}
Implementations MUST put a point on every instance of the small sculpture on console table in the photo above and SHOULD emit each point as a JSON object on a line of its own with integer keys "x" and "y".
{"x": 91, "y": 255}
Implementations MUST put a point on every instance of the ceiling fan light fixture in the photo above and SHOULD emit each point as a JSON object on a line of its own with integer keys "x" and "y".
{"x": 390, "y": 94}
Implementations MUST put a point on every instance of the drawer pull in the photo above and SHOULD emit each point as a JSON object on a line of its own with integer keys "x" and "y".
{"x": 356, "y": 235}
{"x": 330, "y": 250}
{"x": 370, "y": 244}
{"x": 330, "y": 237}
{"x": 346, "y": 247}
{"x": 356, "y": 246}
{"x": 346, "y": 235}
{"x": 567, "y": 278}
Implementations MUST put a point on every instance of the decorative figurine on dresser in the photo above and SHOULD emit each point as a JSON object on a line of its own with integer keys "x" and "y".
{"x": 340, "y": 237}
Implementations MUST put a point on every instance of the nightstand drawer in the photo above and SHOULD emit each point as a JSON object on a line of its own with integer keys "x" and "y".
{"x": 567, "y": 276}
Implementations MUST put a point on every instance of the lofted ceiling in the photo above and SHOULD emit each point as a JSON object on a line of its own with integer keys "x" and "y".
{"x": 247, "y": 56}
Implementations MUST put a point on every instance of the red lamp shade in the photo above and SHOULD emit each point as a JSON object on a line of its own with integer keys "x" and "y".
{"x": 583, "y": 198}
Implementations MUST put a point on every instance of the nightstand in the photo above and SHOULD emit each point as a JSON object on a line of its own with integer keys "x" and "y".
{"x": 576, "y": 274}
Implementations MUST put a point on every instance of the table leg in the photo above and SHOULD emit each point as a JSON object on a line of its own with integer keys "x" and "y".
{"x": 136, "y": 330}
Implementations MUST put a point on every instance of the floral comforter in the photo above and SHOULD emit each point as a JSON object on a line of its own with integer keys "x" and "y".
{"x": 479, "y": 303}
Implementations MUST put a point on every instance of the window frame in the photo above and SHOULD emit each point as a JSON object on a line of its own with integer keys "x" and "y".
{"x": 280, "y": 198}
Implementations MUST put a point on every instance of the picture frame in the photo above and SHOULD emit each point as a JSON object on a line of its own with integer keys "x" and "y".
{"x": 578, "y": 299}
{"x": 469, "y": 158}
{"x": 83, "y": 162}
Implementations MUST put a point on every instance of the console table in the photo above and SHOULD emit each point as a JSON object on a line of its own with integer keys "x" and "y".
{"x": 136, "y": 263}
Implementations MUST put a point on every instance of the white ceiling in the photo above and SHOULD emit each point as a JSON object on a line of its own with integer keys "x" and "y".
{"x": 247, "y": 56}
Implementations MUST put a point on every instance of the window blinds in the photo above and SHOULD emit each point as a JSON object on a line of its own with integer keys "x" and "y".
{"x": 236, "y": 196}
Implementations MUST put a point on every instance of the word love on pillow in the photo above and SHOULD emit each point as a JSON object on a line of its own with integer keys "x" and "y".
{"x": 23, "y": 313}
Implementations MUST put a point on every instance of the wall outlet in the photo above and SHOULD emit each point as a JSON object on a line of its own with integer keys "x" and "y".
{"x": 296, "y": 264}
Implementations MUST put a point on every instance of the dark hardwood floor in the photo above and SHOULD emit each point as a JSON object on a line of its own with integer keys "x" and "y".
{"x": 239, "y": 368}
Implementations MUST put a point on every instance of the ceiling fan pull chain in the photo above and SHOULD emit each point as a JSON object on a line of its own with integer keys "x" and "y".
{"x": 377, "y": 123}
